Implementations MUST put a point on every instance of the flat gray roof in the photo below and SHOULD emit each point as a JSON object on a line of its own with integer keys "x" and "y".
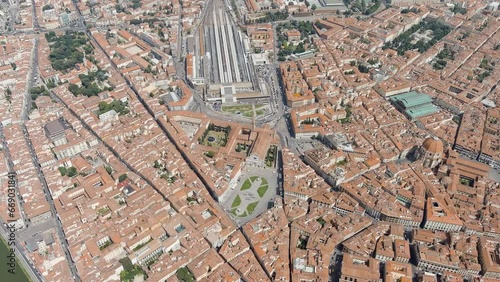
{"x": 54, "y": 127}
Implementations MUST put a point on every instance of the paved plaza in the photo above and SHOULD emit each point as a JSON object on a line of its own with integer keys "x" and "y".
{"x": 251, "y": 195}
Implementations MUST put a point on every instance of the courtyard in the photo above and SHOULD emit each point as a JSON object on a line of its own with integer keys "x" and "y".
{"x": 215, "y": 136}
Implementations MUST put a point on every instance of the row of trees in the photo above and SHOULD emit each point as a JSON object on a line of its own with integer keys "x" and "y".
{"x": 216, "y": 128}
{"x": 413, "y": 10}
{"x": 272, "y": 17}
{"x": 309, "y": 121}
{"x": 271, "y": 155}
{"x": 8, "y": 95}
{"x": 69, "y": 172}
{"x": 139, "y": 21}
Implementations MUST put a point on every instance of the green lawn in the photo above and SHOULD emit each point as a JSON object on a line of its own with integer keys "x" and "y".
{"x": 219, "y": 139}
{"x": 253, "y": 178}
{"x": 236, "y": 202}
{"x": 244, "y": 214}
{"x": 20, "y": 274}
{"x": 246, "y": 185}
{"x": 264, "y": 181}
{"x": 251, "y": 207}
{"x": 262, "y": 190}
{"x": 245, "y": 110}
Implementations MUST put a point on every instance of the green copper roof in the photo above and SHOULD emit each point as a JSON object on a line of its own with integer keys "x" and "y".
{"x": 414, "y": 104}
{"x": 411, "y": 99}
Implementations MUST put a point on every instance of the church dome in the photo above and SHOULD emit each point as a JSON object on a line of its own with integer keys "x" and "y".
{"x": 446, "y": 180}
{"x": 433, "y": 145}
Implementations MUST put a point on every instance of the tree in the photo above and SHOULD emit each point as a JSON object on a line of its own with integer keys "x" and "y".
{"x": 363, "y": 69}
{"x": 51, "y": 84}
{"x": 458, "y": 9}
{"x": 119, "y": 8}
{"x": 136, "y": 4}
{"x": 300, "y": 48}
{"x": 130, "y": 271}
{"x": 62, "y": 170}
{"x": 156, "y": 164}
{"x": 372, "y": 61}
{"x": 47, "y": 7}
{"x": 87, "y": 49}
{"x": 122, "y": 177}
{"x": 37, "y": 90}
{"x": 184, "y": 275}
{"x": 109, "y": 170}
{"x": 71, "y": 172}
{"x": 313, "y": 7}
